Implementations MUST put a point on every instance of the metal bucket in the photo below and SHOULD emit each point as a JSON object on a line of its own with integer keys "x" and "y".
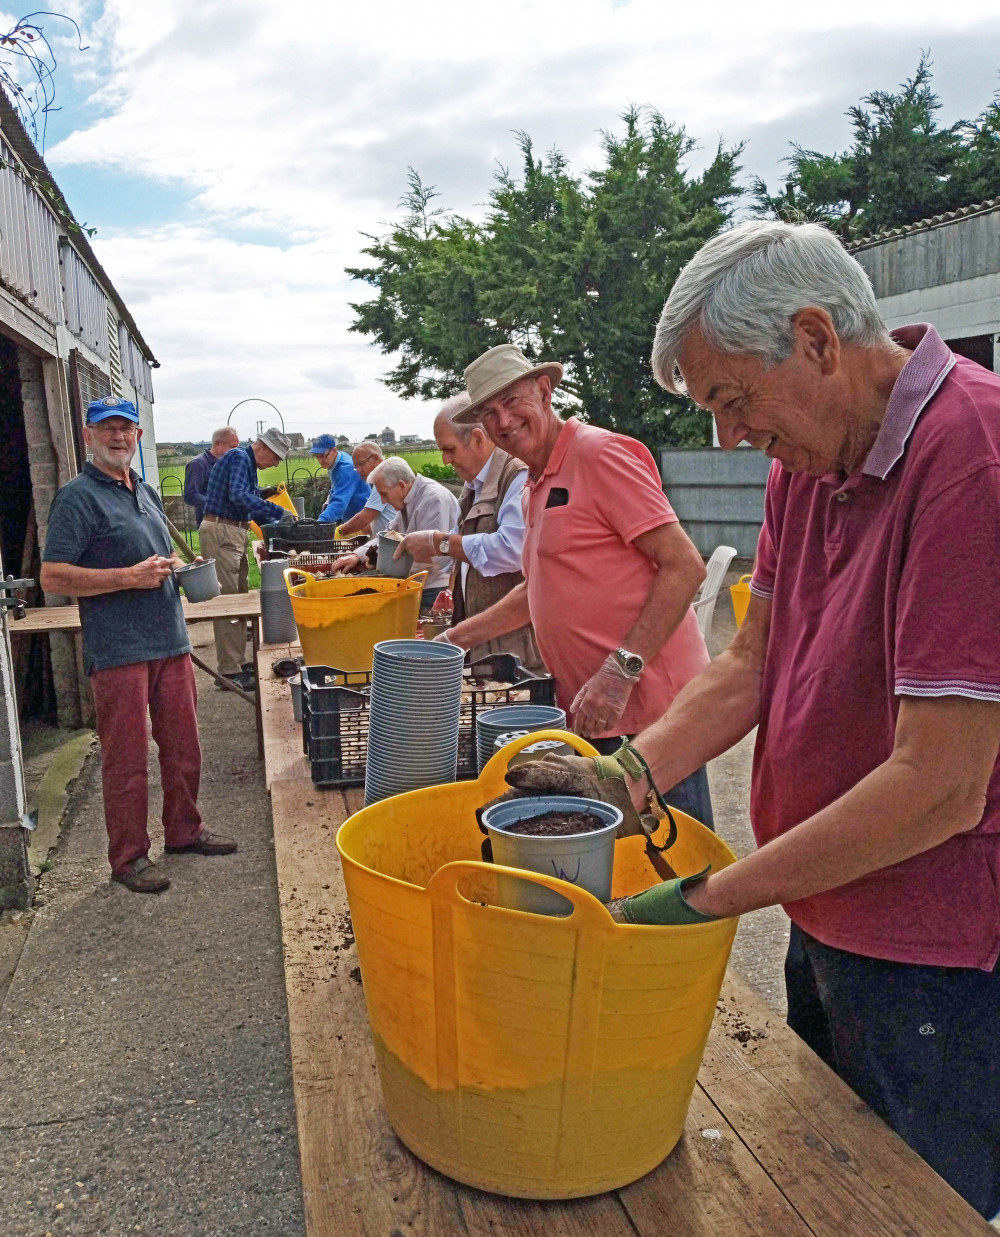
{"x": 583, "y": 859}
{"x": 199, "y": 580}
{"x": 397, "y": 569}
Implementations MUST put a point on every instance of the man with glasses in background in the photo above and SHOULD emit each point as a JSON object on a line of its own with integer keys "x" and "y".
{"x": 108, "y": 545}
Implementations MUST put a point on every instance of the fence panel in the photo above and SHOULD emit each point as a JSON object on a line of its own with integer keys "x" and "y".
{"x": 718, "y": 495}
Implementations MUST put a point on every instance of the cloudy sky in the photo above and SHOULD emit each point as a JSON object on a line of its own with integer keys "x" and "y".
{"x": 230, "y": 152}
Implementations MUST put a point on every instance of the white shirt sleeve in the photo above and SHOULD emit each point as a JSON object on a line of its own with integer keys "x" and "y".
{"x": 493, "y": 554}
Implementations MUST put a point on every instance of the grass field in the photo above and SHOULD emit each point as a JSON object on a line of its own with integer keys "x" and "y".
{"x": 172, "y": 475}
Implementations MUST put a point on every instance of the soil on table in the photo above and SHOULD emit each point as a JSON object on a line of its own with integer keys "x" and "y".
{"x": 557, "y": 824}
{"x": 362, "y": 592}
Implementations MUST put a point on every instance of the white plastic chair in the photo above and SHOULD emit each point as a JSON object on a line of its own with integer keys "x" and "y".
{"x": 718, "y": 565}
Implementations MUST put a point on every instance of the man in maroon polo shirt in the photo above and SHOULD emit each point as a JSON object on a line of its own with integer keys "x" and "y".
{"x": 869, "y": 660}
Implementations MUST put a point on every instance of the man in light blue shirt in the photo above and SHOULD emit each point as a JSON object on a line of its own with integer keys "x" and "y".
{"x": 349, "y": 491}
{"x": 376, "y": 515}
{"x": 487, "y": 538}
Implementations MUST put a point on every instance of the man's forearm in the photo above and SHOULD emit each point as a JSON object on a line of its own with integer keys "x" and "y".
{"x": 667, "y": 603}
{"x": 67, "y": 580}
{"x": 508, "y": 614}
{"x": 889, "y": 816}
{"x": 708, "y": 716}
{"x": 359, "y": 523}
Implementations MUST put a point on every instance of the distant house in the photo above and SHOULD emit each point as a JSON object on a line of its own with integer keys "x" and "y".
{"x": 297, "y": 441}
{"x": 66, "y": 338}
{"x": 407, "y": 440}
{"x": 343, "y": 440}
{"x": 388, "y": 437}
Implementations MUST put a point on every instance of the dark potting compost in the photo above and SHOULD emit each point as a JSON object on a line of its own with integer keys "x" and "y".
{"x": 557, "y": 824}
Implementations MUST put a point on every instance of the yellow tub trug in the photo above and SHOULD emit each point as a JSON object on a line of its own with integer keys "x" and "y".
{"x": 339, "y": 626}
{"x": 523, "y": 1053}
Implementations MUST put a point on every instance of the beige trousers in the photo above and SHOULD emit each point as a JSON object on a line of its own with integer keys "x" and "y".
{"x": 228, "y": 546}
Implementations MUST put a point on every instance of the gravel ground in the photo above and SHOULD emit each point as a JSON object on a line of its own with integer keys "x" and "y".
{"x": 144, "y": 1059}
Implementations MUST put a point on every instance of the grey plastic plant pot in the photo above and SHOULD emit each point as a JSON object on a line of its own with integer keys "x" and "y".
{"x": 199, "y": 580}
{"x": 385, "y": 565}
{"x": 584, "y": 859}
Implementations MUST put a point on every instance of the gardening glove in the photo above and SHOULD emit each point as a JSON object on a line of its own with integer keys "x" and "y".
{"x": 443, "y": 638}
{"x": 600, "y": 702}
{"x": 421, "y": 547}
{"x": 663, "y": 904}
{"x": 589, "y": 777}
{"x": 269, "y": 491}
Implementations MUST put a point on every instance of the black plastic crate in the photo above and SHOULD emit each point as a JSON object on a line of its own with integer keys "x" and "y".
{"x": 335, "y": 714}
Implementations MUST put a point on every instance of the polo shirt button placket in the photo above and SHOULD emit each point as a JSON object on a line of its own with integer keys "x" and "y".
{"x": 843, "y": 496}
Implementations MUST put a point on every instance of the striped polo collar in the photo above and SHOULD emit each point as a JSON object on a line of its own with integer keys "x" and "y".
{"x": 918, "y": 382}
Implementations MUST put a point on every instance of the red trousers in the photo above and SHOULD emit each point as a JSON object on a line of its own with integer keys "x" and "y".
{"x": 123, "y": 694}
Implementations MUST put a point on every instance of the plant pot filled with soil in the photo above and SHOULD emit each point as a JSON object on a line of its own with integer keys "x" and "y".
{"x": 571, "y": 839}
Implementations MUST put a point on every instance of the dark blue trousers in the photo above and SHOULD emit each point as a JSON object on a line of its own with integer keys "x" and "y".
{"x": 919, "y": 1044}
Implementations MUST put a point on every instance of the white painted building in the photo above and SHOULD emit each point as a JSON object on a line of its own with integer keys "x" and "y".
{"x": 66, "y": 338}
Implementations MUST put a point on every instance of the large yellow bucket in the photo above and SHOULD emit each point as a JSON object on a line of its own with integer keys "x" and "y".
{"x": 528, "y": 1055}
{"x": 740, "y": 593}
{"x": 339, "y": 624}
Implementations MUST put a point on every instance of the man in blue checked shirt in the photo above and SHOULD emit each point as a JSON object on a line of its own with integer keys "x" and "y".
{"x": 349, "y": 491}
{"x": 232, "y": 500}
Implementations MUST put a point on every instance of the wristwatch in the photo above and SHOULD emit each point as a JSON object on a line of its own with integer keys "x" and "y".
{"x": 631, "y": 664}
{"x": 444, "y": 544}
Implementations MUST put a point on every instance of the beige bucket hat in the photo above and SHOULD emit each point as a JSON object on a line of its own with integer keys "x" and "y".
{"x": 496, "y": 370}
{"x": 279, "y": 443}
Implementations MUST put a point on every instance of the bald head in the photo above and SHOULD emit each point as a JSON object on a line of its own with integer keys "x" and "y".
{"x": 366, "y": 457}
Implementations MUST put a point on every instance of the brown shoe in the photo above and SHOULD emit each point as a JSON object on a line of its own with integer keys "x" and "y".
{"x": 205, "y": 844}
{"x": 141, "y": 876}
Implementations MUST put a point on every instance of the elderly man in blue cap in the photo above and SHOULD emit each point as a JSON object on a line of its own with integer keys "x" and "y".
{"x": 109, "y": 546}
{"x": 349, "y": 491}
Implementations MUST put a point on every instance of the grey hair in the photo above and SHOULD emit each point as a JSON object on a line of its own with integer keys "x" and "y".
{"x": 367, "y": 448}
{"x": 221, "y": 435}
{"x": 392, "y": 471}
{"x": 450, "y": 409}
{"x": 743, "y": 288}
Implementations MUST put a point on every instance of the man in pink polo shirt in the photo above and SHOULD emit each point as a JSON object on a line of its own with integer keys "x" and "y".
{"x": 609, "y": 572}
{"x": 869, "y": 661}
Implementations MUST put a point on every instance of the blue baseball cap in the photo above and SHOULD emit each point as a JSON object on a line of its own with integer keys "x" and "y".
{"x": 322, "y": 444}
{"x": 111, "y": 406}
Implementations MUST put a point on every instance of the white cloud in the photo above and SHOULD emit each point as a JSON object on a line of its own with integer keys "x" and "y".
{"x": 304, "y": 125}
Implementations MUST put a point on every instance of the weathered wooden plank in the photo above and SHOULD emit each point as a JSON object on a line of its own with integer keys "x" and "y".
{"x": 748, "y": 1037}
{"x": 709, "y": 1186}
{"x": 283, "y": 755}
{"x": 67, "y": 618}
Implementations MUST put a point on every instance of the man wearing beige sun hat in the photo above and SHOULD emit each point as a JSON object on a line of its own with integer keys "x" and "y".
{"x": 609, "y": 572}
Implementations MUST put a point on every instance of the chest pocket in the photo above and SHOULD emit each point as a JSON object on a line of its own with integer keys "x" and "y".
{"x": 559, "y": 531}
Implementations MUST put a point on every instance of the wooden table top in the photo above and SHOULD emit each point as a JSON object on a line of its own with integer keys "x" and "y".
{"x": 775, "y": 1144}
{"x": 67, "y": 618}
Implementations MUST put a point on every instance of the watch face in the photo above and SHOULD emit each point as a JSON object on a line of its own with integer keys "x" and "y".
{"x": 631, "y": 663}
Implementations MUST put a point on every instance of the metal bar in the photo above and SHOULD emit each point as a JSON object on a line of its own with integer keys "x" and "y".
{"x": 228, "y": 685}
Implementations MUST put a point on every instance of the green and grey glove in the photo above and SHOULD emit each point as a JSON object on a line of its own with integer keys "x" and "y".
{"x": 663, "y": 904}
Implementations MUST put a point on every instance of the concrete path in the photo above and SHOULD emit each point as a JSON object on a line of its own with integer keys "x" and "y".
{"x": 144, "y": 1061}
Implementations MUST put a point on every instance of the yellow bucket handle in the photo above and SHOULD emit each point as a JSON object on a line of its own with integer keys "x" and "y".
{"x": 418, "y": 575}
{"x": 587, "y": 910}
{"x": 496, "y": 766}
{"x": 746, "y": 579}
{"x": 297, "y": 571}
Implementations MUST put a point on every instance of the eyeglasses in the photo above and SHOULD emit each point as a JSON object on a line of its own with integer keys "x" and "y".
{"x": 129, "y": 431}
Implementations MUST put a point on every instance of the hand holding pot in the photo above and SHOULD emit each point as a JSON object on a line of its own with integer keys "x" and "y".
{"x": 421, "y": 546}
{"x": 151, "y": 572}
{"x": 600, "y": 702}
{"x": 588, "y": 777}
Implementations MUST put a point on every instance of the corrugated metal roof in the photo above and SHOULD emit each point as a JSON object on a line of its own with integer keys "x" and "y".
{"x": 924, "y": 225}
{"x": 14, "y": 131}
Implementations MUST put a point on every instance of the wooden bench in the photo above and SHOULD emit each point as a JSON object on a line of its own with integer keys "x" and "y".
{"x": 775, "y": 1144}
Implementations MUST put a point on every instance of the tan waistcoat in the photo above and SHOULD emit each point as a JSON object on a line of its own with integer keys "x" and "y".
{"x": 480, "y": 592}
